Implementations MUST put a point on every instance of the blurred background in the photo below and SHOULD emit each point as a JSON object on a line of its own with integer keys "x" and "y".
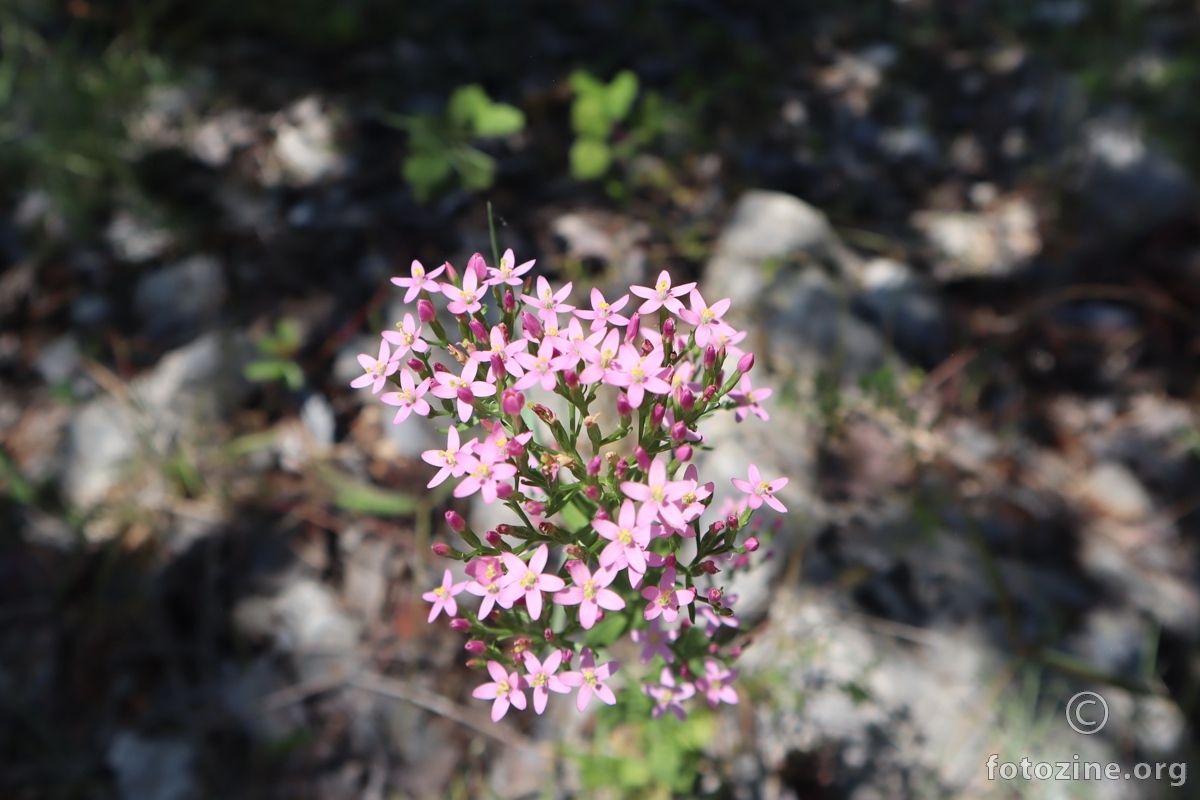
{"x": 962, "y": 234}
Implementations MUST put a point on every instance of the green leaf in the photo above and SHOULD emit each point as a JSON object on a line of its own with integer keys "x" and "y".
{"x": 589, "y": 116}
{"x": 477, "y": 169}
{"x": 583, "y": 83}
{"x": 498, "y": 119}
{"x": 466, "y": 103}
{"x": 620, "y": 94}
{"x": 590, "y": 159}
{"x": 574, "y": 518}
{"x": 606, "y": 631}
{"x": 364, "y": 498}
{"x": 424, "y": 172}
{"x": 260, "y": 371}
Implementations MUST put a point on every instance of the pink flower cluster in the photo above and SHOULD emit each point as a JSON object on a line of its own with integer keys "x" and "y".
{"x": 603, "y": 520}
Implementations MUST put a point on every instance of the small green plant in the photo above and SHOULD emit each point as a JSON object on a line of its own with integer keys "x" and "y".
{"x": 277, "y": 357}
{"x": 597, "y": 108}
{"x": 441, "y": 145}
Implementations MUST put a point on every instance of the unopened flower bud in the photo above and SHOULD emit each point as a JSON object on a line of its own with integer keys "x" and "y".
{"x": 458, "y": 355}
{"x": 510, "y": 302}
{"x": 532, "y": 326}
{"x": 567, "y": 655}
{"x": 683, "y": 452}
{"x": 751, "y": 544}
{"x": 576, "y": 552}
{"x": 717, "y": 526}
{"x": 514, "y": 448}
{"x": 591, "y": 492}
{"x": 643, "y": 458}
{"x": 477, "y": 328}
{"x": 731, "y": 522}
{"x": 475, "y": 647}
{"x": 492, "y": 538}
{"x": 474, "y": 663}
{"x": 621, "y": 469}
{"x": 425, "y": 311}
{"x": 440, "y": 549}
{"x": 709, "y": 566}
{"x": 710, "y": 392}
{"x": 459, "y": 624}
{"x": 465, "y": 395}
{"x": 714, "y": 648}
{"x": 710, "y": 356}
{"x": 571, "y": 378}
{"x": 735, "y": 651}
{"x": 548, "y": 634}
{"x": 504, "y": 529}
{"x": 714, "y": 595}
{"x": 746, "y": 362}
{"x": 668, "y": 331}
{"x": 721, "y": 355}
{"x": 504, "y": 490}
{"x": 416, "y": 365}
{"x": 455, "y": 521}
{"x": 521, "y": 644}
{"x": 601, "y": 515}
{"x": 633, "y": 328}
{"x": 535, "y": 507}
{"x": 497, "y": 364}
{"x": 679, "y": 430}
{"x": 647, "y": 347}
{"x": 479, "y": 266}
{"x": 439, "y": 367}
{"x": 593, "y": 467}
{"x": 656, "y": 415}
{"x": 511, "y": 402}
{"x": 624, "y": 409}
{"x": 687, "y": 400}
{"x": 670, "y": 560}
{"x": 544, "y": 414}
{"x": 451, "y": 273}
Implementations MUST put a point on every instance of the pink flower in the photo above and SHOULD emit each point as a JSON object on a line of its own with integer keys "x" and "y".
{"x": 665, "y": 599}
{"x": 486, "y": 467}
{"x": 628, "y": 540}
{"x": 654, "y": 642}
{"x": 377, "y": 369}
{"x": 506, "y": 273}
{"x": 547, "y": 302}
{"x": 748, "y": 400}
{"x": 449, "y": 387}
{"x": 443, "y": 597}
{"x": 668, "y": 696}
{"x": 464, "y": 300}
{"x": 590, "y": 680}
{"x": 658, "y": 495}
{"x": 487, "y": 572}
{"x": 542, "y": 368}
{"x": 761, "y": 491}
{"x": 407, "y": 338}
{"x": 589, "y": 593}
{"x": 507, "y": 689}
{"x": 661, "y": 295}
{"x": 504, "y": 351}
{"x": 640, "y": 374}
{"x": 571, "y": 344}
{"x": 528, "y": 581}
{"x": 542, "y": 680}
{"x": 707, "y": 319}
{"x": 451, "y": 460}
{"x": 603, "y": 313}
{"x": 693, "y": 502}
{"x": 602, "y": 361}
{"x": 419, "y": 280}
{"x": 408, "y": 398}
{"x": 716, "y": 684}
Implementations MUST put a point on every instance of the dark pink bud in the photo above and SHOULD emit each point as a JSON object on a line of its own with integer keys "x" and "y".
{"x": 714, "y": 594}
{"x": 416, "y": 365}
{"x": 601, "y": 515}
{"x": 439, "y": 367}
{"x": 643, "y": 458}
{"x": 670, "y": 560}
{"x": 593, "y": 467}
{"x": 548, "y": 634}
{"x": 497, "y": 366}
{"x": 492, "y": 538}
{"x": 721, "y": 356}
{"x": 474, "y": 663}
{"x": 751, "y": 544}
{"x": 710, "y": 392}
{"x": 647, "y": 347}
{"x": 687, "y": 400}
{"x": 440, "y": 549}
{"x": 714, "y": 648}
{"x": 544, "y": 414}
{"x": 477, "y": 328}
{"x": 425, "y": 311}
{"x": 567, "y": 655}
{"x": 479, "y": 266}
{"x": 709, "y": 566}
{"x": 731, "y": 522}
{"x": 511, "y": 402}
{"x": 592, "y": 492}
{"x": 475, "y": 647}
{"x": 504, "y": 490}
{"x": 683, "y": 452}
{"x": 514, "y": 449}
{"x": 621, "y": 469}
{"x": 571, "y": 378}
{"x": 736, "y": 651}
{"x": 532, "y": 326}
{"x": 510, "y": 302}
{"x": 717, "y": 526}
{"x": 710, "y": 356}
{"x": 535, "y": 507}
{"x": 464, "y": 394}
{"x": 656, "y": 415}
{"x": 746, "y": 362}
{"x": 459, "y": 624}
{"x": 452, "y": 274}
{"x": 455, "y": 521}
{"x": 679, "y": 430}
{"x": 668, "y": 331}
{"x": 633, "y": 328}
{"x": 720, "y": 376}
{"x": 624, "y": 409}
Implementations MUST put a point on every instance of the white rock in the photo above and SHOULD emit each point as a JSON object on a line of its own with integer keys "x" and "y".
{"x": 1117, "y": 492}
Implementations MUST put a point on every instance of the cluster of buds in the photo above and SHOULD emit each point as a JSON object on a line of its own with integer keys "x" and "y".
{"x": 603, "y": 520}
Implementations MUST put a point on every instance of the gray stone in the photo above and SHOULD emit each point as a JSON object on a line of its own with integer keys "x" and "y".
{"x": 152, "y": 768}
{"x": 135, "y": 239}
{"x": 58, "y": 361}
{"x": 181, "y": 296}
{"x": 319, "y": 422}
{"x": 994, "y": 243}
{"x": 905, "y": 310}
{"x": 215, "y": 139}
{"x": 305, "y": 149}
{"x": 1115, "y": 491}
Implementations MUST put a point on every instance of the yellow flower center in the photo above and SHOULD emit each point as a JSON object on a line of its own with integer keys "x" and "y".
{"x": 664, "y": 599}
{"x": 418, "y": 272}
{"x": 638, "y": 374}
{"x": 441, "y": 591}
{"x": 590, "y": 677}
{"x": 529, "y": 580}
{"x": 491, "y": 570}
{"x": 541, "y": 679}
{"x": 624, "y": 536}
{"x": 502, "y": 688}
{"x": 763, "y": 487}
{"x": 707, "y": 316}
{"x": 662, "y": 286}
{"x": 689, "y": 498}
{"x": 380, "y": 366}
{"x": 603, "y": 306}
{"x": 465, "y": 296}
{"x": 589, "y": 590}
{"x": 606, "y": 358}
{"x": 482, "y": 471}
{"x": 656, "y": 494}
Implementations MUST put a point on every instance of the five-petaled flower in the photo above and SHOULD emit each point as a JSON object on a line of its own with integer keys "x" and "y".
{"x": 505, "y": 689}
{"x": 541, "y": 679}
{"x": 662, "y": 295}
{"x": 604, "y": 313}
{"x": 654, "y": 641}
{"x": 464, "y": 299}
{"x": 706, "y": 318}
{"x": 420, "y": 280}
{"x": 658, "y": 495}
{"x": 463, "y": 388}
{"x": 528, "y": 581}
{"x": 748, "y": 400}
{"x": 590, "y": 593}
{"x": 668, "y": 696}
{"x": 628, "y": 540}
{"x": 377, "y": 369}
{"x": 486, "y": 469}
{"x": 665, "y": 599}
{"x": 443, "y": 597}
{"x": 407, "y": 338}
{"x": 761, "y": 491}
{"x": 409, "y": 397}
{"x": 451, "y": 460}
{"x": 590, "y": 680}
{"x": 547, "y": 301}
{"x": 716, "y": 683}
{"x": 506, "y": 273}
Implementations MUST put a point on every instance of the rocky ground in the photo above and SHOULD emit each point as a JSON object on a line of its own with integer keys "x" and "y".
{"x": 980, "y": 323}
